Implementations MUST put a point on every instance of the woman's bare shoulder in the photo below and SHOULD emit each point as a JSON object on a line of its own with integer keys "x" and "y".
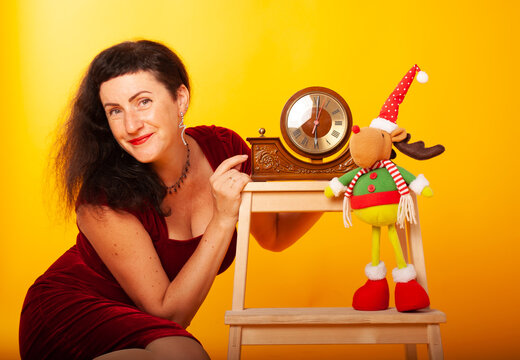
{"x": 101, "y": 221}
{"x": 101, "y": 213}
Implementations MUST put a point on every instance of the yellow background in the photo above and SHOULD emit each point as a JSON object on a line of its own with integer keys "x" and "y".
{"x": 246, "y": 58}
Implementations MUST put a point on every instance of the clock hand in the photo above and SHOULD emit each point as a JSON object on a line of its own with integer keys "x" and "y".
{"x": 315, "y": 137}
{"x": 317, "y": 106}
{"x": 316, "y": 122}
{"x": 318, "y": 113}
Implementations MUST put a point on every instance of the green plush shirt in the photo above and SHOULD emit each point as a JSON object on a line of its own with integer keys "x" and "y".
{"x": 382, "y": 182}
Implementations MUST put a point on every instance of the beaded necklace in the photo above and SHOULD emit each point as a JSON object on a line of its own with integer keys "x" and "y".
{"x": 173, "y": 189}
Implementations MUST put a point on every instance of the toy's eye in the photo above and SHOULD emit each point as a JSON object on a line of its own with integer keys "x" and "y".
{"x": 382, "y": 135}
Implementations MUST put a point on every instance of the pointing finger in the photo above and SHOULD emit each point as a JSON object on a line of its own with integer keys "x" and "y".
{"x": 230, "y": 163}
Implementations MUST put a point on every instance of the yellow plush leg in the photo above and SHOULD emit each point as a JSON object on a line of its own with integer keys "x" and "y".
{"x": 394, "y": 239}
{"x": 376, "y": 242}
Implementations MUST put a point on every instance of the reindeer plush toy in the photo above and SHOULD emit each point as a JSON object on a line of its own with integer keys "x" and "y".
{"x": 378, "y": 193}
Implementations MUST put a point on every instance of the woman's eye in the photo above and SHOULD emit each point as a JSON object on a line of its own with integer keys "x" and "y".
{"x": 144, "y": 102}
{"x": 114, "y": 112}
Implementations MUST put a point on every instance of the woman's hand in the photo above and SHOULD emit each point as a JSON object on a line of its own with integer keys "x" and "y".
{"x": 227, "y": 183}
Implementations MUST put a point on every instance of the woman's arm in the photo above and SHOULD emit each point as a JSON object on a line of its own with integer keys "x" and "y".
{"x": 278, "y": 231}
{"x": 126, "y": 248}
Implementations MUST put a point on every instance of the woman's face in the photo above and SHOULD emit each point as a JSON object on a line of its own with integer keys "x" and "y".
{"x": 143, "y": 116}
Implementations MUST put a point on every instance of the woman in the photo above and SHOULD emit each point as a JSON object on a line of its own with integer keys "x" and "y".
{"x": 156, "y": 210}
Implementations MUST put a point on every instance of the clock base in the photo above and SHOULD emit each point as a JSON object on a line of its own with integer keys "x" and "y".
{"x": 271, "y": 161}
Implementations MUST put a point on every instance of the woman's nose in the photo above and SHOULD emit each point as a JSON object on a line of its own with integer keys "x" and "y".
{"x": 133, "y": 123}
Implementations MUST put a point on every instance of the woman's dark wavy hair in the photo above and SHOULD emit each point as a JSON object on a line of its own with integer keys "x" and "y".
{"x": 90, "y": 166}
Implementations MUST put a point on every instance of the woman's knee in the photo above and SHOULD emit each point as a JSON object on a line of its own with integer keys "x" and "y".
{"x": 177, "y": 348}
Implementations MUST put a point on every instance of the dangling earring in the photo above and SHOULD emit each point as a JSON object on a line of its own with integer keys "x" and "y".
{"x": 183, "y": 127}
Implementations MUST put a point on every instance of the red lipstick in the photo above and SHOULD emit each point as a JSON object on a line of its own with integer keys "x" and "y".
{"x": 140, "y": 140}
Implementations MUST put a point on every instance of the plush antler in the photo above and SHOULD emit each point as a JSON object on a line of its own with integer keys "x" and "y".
{"x": 417, "y": 150}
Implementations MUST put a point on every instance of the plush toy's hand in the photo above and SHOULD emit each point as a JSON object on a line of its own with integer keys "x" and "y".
{"x": 328, "y": 192}
{"x": 427, "y": 191}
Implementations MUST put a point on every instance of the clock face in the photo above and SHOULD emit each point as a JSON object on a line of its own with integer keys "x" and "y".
{"x": 316, "y": 122}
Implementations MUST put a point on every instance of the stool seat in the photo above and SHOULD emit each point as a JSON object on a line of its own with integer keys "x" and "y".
{"x": 330, "y": 315}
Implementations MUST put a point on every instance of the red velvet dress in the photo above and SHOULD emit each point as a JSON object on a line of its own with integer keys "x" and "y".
{"x": 77, "y": 310}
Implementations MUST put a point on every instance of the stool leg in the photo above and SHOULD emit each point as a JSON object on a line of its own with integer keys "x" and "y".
{"x": 434, "y": 342}
{"x": 239, "y": 285}
{"x": 235, "y": 342}
{"x": 244, "y": 226}
{"x": 411, "y": 351}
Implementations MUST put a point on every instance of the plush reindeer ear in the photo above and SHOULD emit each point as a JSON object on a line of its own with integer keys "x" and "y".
{"x": 398, "y": 134}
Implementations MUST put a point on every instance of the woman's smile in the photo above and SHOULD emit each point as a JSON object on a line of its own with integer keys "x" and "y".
{"x": 140, "y": 140}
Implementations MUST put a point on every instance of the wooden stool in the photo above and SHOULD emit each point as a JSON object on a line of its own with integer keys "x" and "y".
{"x": 338, "y": 325}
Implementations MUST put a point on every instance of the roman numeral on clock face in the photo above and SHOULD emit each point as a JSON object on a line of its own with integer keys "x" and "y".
{"x": 304, "y": 142}
{"x": 297, "y": 133}
{"x": 335, "y": 133}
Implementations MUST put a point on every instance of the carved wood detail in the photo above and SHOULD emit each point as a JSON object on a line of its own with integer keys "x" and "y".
{"x": 271, "y": 161}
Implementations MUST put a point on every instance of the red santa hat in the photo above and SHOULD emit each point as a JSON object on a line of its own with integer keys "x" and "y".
{"x": 388, "y": 116}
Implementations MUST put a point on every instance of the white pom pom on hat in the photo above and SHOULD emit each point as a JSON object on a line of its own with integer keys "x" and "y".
{"x": 422, "y": 77}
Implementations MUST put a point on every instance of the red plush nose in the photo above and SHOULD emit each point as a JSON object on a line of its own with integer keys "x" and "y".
{"x": 355, "y": 128}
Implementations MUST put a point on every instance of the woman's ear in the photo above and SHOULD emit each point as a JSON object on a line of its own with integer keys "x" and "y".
{"x": 398, "y": 134}
{"x": 183, "y": 98}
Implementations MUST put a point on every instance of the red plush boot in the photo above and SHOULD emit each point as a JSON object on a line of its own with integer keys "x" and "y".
{"x": 374, "y": 295}
{"x": 409, "y": 294}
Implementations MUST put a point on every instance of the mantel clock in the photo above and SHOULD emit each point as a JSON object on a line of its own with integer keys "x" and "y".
{"x": 315, "y": 123}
